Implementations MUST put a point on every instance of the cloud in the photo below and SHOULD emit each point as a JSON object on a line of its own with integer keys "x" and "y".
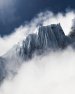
{"x": 65, "y": 20}
{"x": 7, "y": 42}
{"x": 50, "y": 74}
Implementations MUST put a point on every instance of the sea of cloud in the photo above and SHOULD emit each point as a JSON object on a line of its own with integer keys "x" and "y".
{"x": 50, "y": 74}
{"x": 53, "y": 73}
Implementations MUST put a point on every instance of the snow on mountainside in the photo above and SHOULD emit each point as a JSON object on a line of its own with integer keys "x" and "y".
{"x": 49, "y": 38}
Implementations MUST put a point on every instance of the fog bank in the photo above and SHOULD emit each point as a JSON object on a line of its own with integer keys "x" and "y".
{"x": 50, "y": 74}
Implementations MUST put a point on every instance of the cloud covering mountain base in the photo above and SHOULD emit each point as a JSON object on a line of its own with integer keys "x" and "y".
{"x": 50, "y": 74}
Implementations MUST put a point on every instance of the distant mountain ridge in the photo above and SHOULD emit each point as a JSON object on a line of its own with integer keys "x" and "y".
{"x": 49, "y": 38}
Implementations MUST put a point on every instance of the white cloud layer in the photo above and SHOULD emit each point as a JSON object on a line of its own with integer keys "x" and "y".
{"x": 50, "y": 74}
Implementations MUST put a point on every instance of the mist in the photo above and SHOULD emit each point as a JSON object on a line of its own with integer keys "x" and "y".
{"x": 53, "y": 73}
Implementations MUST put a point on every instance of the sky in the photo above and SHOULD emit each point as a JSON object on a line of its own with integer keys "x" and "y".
{"x": 53, "y": 73}
{"x": 14, "y": 13}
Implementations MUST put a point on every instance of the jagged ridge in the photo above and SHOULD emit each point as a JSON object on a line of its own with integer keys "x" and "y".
{"x": 49, "y": 37}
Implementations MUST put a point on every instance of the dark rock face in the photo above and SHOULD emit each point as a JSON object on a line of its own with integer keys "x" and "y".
{"x": 59, "y": 34}
{"x": 48, "y": 38}
{"x": 72, "y": 37}
{"x": 2, "y": 69}
{"x": 29, "y": 46}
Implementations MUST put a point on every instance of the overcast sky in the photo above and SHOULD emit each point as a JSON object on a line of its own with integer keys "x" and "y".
{"x": 14, "y": 13}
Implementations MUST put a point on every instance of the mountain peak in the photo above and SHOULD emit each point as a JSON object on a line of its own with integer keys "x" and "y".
{"x": 49, "y": 37}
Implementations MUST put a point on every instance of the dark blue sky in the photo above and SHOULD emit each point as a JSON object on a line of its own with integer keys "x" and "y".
{"x": 28, "y": 9}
